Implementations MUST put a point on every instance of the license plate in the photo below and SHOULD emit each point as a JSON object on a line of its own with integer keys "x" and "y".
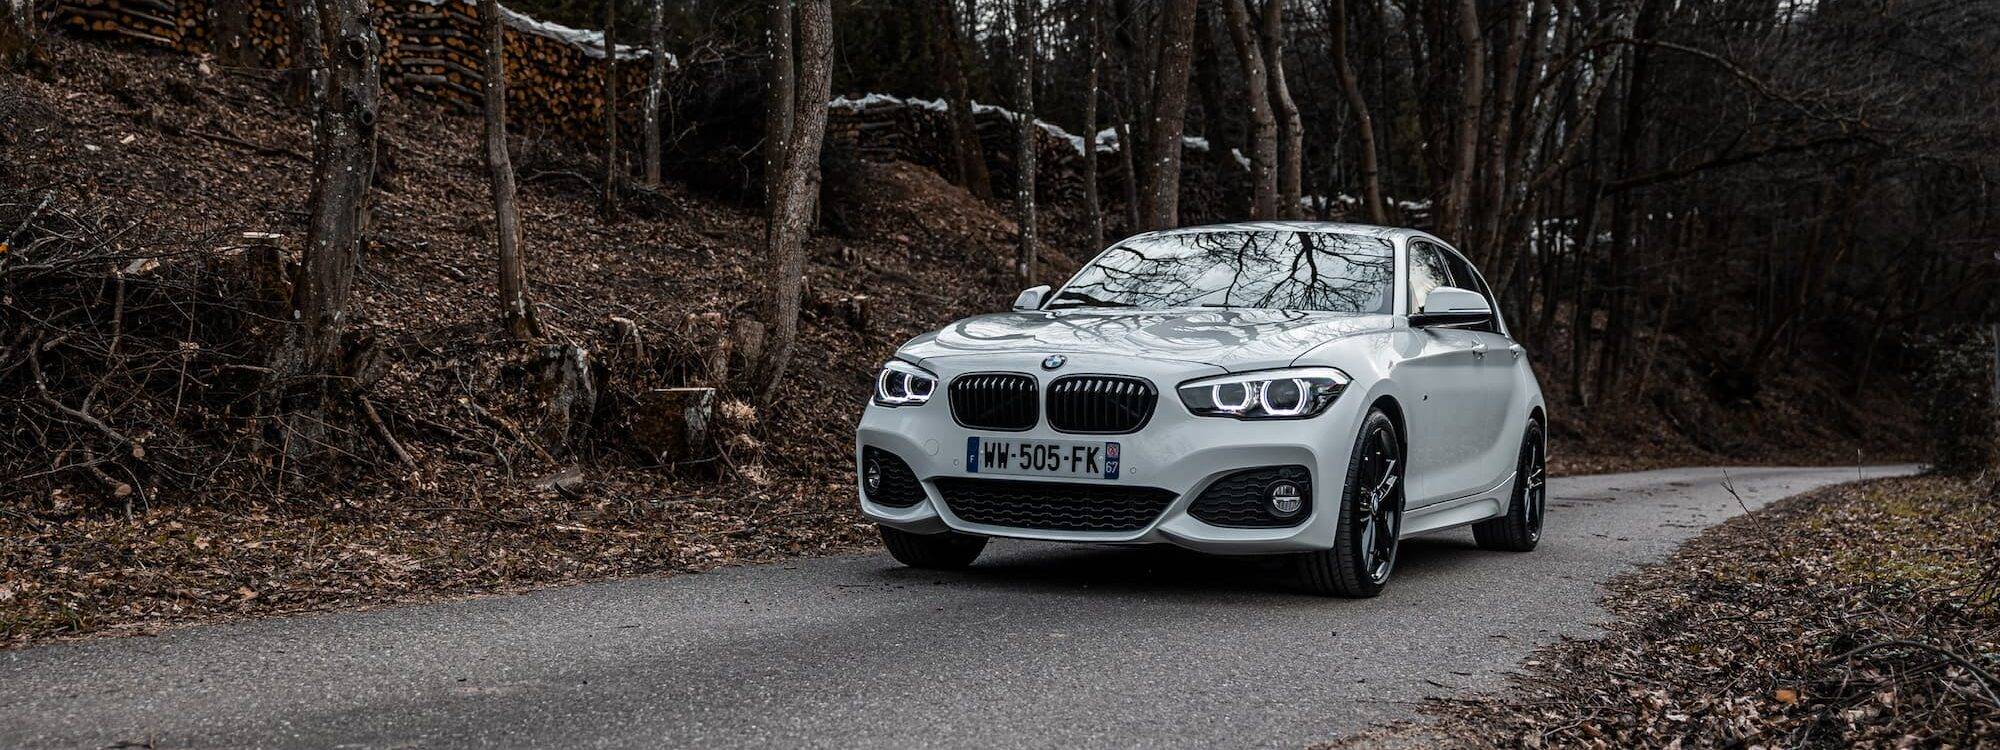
{"x": 1041, "y": 458}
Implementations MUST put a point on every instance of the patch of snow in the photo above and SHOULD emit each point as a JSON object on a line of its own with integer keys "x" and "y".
{"x": 590, "y": 43}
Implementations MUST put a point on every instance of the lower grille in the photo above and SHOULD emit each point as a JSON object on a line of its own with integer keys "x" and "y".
{"x": 897, "y": 487}
{"x": 1053, "y": 506}
{"x": 1241, "y": 499}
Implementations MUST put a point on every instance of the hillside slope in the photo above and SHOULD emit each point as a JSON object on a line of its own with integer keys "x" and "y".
{"x": 171, "y": 170}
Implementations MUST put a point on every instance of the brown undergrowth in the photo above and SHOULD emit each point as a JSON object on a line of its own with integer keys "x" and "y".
{"x": 1865, "y": 615}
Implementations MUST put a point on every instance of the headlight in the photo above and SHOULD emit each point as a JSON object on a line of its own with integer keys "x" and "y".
{"x": 903, "y": 384}
{"x": 1272, "y": 394}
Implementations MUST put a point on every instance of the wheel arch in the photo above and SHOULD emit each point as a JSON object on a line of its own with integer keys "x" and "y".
{"x": 1394, "y": 409}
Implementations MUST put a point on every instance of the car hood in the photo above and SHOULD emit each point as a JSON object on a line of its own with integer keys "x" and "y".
{"x": 1233, "y": 339}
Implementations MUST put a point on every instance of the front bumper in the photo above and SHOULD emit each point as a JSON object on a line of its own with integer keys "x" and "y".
{"x": 1175, "y": 451}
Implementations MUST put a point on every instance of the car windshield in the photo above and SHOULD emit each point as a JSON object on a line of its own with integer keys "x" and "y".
{"x": 1278, "y": 270}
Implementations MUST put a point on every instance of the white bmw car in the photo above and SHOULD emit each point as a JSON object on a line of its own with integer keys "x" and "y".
{"x": 1310, "y": 389}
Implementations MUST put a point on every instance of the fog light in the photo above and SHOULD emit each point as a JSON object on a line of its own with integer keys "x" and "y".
{"x": 871, "y": 476}
{"x": 1285, "y": 499}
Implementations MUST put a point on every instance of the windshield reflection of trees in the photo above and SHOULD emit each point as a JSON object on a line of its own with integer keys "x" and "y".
{"x": 1271, "y": 270}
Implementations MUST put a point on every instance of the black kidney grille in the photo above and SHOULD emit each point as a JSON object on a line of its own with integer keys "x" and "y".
{"x": 900, "y": 488}
{"x": 995, "y": 401}
{"x": 1240, "y": 499}
{"x": 1101, "y": 404}
{"x": 1053, "y": 506}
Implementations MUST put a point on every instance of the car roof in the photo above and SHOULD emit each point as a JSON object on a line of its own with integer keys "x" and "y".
{"x": 1365, "y": 230}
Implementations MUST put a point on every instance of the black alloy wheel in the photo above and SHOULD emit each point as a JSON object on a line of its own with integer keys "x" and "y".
{"x": 1521, "y": 529}
{"x": 1371, "y": 517}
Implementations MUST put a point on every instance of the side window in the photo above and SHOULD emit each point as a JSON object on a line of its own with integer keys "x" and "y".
{"x": 1428, "y": 271}
{"x": 1469, "y": 279}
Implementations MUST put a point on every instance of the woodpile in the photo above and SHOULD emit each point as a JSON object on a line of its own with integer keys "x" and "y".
{"x": 430, "y": 49}
{"x": 885, "y": 128}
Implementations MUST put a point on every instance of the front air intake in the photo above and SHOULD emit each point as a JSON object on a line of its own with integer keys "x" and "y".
{"x": 1053, "y": 506}
{"x": 995, "y": 401}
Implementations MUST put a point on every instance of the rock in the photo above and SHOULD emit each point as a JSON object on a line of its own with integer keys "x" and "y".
{"x": 567, "y": 481}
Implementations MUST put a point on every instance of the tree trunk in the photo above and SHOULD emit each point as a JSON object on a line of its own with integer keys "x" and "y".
{"x": 517, "y": 312}
{"x": 656, "y": 82}
{"x": 777, "y": 114}
{"x": 1170, "y": 88}
{"x": 308, "y": 75}
{"x": 611, "y": 167}
{"x": 1364, "y": 122}
{"x": 1263, "y": 125}
{"x": 1484, "y": 246}
{"x": 1136, "y": 208}
{"x": 791, "y": 211}
{"x": 1216, "y": 126}
{"x": 1024, "y": 161}
{"x": 1093, "y": 207}
{"x": 967, "y": 155}
{"x": 1291, "y": 130}
{"x": 343, "y": 168}
{"x": 1471, "y": 100}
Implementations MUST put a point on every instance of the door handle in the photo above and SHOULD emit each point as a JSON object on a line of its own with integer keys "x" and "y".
{"x": 1518, "y": 350}
{"x": 1479, "y": 350}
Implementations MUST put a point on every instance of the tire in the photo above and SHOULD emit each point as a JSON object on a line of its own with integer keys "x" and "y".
{"x": 946, "y": 551}
{"x": 1371, "y": 508}
{"x": 1521, "y": 529}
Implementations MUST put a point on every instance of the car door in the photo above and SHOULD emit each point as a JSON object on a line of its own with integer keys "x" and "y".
{"x": 1494, "y": 440}
{"x": 1444, "y": 374}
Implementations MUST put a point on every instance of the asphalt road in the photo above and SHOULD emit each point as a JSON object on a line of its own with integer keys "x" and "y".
{"x": 1036, "y": 646}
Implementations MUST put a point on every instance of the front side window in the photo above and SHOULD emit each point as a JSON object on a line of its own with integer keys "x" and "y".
{"x": 1428, "y": 270}
{"x": 1468, "y": 279}
{"x": 1279, "y": 270}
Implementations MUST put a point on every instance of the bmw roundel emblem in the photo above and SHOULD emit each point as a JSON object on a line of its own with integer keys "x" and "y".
{"x": 1054, "y": 361}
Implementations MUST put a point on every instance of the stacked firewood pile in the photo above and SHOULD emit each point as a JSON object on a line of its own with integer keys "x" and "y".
{"x": 885, "y": 128}
{"x": 431, "y": 49}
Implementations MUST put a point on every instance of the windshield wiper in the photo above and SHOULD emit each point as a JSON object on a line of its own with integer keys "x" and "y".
{"x": 1083, "y": 300}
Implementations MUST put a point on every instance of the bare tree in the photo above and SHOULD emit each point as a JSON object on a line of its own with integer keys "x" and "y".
{"x": 1465, "y": 140}
{"x": 517, "y": 312}
{"x": 306, "y": 83}
{"x": 611, "y": 166}
{"x": 656, "y": 83}
{"x": 1291, "y": 130}
{"x": 968, "y": 156}
{"x": 1364, "y": 121}
{"x": 1093, "y": 206}
{"x": 1024, "y": 161}
{"x": 790, "y": 211}
{"x": 343, "y": 169}
{"x": 1170, "y": 90}
{"x": 778, "y": 97}
{"x": 1263, "y": 124}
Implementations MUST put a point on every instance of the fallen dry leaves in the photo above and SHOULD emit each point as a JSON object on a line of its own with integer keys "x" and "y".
{"x": 1861, "y": 615}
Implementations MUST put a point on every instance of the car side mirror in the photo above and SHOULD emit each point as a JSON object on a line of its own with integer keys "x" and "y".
{"x": 1450, "y": 305}
{"x": 1031, "y": 298}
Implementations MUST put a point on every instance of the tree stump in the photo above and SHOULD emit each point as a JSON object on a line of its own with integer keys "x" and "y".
{"x": 672, "y": 424}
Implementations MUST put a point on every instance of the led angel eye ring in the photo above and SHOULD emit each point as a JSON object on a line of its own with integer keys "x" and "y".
{"x": 1215, "y": 395}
